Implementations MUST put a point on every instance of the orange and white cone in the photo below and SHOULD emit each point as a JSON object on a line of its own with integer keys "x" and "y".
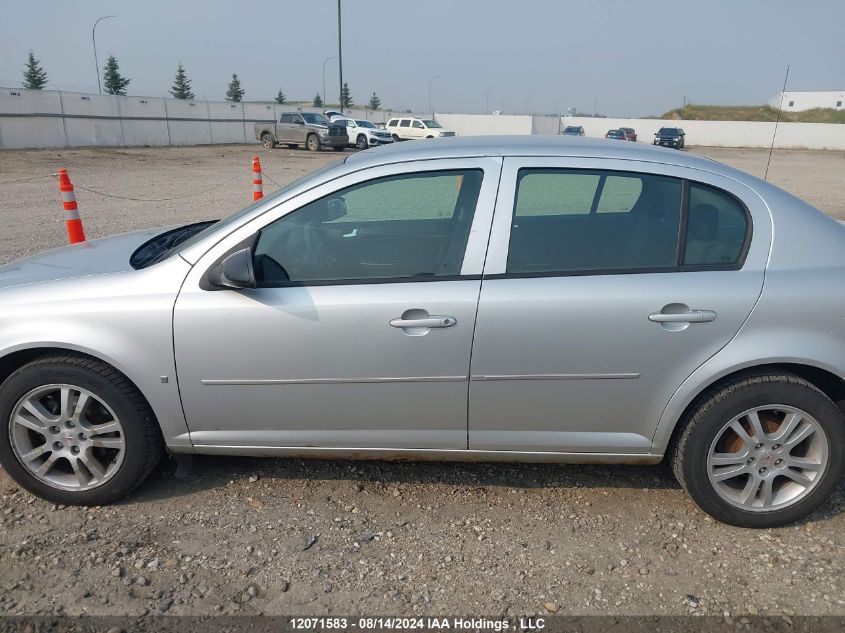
{"x": 75, "y": 232}
{"x": 257, "y": 180}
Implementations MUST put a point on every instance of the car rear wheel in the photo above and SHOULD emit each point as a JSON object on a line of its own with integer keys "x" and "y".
{"x": 361, "y": 143}
{"x": 268, "y": 141}
{"x": 396, "y": 138}
{"x": 76, "y": 431}
{"x": 761, "y": 451}
{"x": 312, "y": 143}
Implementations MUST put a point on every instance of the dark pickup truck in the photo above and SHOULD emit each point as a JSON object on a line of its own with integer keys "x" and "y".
{"x": 311, "y": 129}
{"x": 670, "y": 137}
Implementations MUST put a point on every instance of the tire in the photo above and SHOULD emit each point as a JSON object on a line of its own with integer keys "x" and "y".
{"x": 126, "y": 468}
{"x": 312, "y": 143}
{"x": 738, "y": 499}
{"x": 396, "y": 138}
{"x": 429, "y": 136}
{"x": 268, "y": 141}
{"x": 361, "y": 142}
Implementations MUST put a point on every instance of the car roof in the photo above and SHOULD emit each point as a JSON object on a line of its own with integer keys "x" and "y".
{"x": 534, "y": 145}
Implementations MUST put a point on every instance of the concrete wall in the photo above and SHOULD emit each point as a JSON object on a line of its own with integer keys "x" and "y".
{"x": 830, "y": 136}
{"x": 45, "y": 118}
{"x": 485, "y": 124}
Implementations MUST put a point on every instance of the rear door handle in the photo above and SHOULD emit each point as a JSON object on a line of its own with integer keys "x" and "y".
{"x": 428, "y": 322}
{"x": 693, "y": 316}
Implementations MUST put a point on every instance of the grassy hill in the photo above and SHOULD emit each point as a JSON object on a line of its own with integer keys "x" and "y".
{"x": 693, "y": 112}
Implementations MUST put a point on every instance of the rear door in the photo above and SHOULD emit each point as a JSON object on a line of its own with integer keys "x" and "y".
{"x": 607, "y": 284}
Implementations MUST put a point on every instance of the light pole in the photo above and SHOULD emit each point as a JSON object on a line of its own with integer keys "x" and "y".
{"x": 324, "y": 76}
{"x": 487, "y": 99}
{"x": 339, "y": 57}
{"x": 94, "y": 40}
{"x": 431, "y": 107}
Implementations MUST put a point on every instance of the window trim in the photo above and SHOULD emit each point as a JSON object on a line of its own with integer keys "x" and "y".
{"x": 354, "y": 281}
{"x": 678, "y": 266}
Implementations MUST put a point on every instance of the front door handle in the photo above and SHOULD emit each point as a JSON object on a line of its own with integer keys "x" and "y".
{"x": 427, "y": 322}
{"x": 691, "y": 316}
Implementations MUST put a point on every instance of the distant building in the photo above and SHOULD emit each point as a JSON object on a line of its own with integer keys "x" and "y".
{"x": 800, "y": 101}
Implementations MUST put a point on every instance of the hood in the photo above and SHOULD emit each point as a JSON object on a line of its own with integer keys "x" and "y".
{"x": 94, "y": 257}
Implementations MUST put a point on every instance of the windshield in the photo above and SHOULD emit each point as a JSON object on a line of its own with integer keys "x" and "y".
{"x": 364, "y": 123}
{"x": 572, "y": 129}
{"x": 196, "y": 237}
{"x": 319, "y": 119}
{"x": 431, "y": 124}
{"x": 669, "y": 130}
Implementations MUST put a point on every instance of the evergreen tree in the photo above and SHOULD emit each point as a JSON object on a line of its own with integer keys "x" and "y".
{"x": 235, "y": 92}
{"x": 113, "y": 81}
{"x": 281, "y": 97}
{"x": 181, "y": 88}
{"x": 375, "y": 102}
{"x": 318, "y": 101}
{"x": 34, "y": 77}
{"x": 345, "y": 98}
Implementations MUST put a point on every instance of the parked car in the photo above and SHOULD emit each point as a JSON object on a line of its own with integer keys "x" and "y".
{"x": 634, "y": 307}
{"x": 619, "y": 135}
{"x": 362, "y": 133}
{"x": 408, "y": 128}
{"x": 630, "y": 133}
{"x": 311, "y": 129}
{"x": 573, "y": 130}
{"x": 670, "y": 137}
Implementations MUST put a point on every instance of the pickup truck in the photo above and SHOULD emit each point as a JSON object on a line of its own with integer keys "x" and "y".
{"x": 311, "y": 129}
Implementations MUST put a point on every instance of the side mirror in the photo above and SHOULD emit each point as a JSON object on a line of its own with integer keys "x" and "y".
{"x": 235, "y": 271}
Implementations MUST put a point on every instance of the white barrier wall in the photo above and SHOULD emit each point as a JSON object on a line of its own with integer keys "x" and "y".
{"x": 46, "y": 118}
{"x": 485, "y": 124}
{"x": 829, "y": 136}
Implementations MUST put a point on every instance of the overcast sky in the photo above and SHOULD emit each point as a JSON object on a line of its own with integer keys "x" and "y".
{"x": 635, "y": 57}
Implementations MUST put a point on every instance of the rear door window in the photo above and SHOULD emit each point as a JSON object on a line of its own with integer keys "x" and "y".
{"x": 717, "y": 226}
{"x": 575, "y": 221}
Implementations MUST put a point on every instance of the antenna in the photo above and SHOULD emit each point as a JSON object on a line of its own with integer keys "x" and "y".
{"x": 777, "y": 121}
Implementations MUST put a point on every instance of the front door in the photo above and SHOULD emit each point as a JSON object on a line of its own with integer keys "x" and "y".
{"x": 359, "y": 333}
{"x": 608, "y": 283}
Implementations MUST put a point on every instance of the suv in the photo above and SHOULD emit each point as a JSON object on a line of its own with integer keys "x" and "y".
{"x": 362, "y": 133}
{"x": 573, "y": 130}
{"x": 404, "y": 129}
{"x": 630, "y": 133}
{"x": 311, "y": 129}
{"x": 670, "y": 137}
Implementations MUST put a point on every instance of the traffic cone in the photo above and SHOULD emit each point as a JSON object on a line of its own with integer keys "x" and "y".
{"x": 257, "y": 181}
{"x": 75, "y": 232}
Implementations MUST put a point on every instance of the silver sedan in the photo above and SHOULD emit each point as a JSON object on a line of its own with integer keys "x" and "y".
{"x": 523, "y": 299}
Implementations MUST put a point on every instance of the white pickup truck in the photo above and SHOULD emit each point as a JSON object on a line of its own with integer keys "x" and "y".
{"x": 407, "y": 128}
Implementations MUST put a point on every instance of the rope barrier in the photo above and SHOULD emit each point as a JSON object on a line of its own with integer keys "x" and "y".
{"x": 7, "y": 182}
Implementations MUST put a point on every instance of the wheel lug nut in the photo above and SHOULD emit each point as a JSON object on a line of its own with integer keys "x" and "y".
{"x": 778, "y": 462}
{"x": 749, "y": 461}
{"x": 758, "y": 446}
{"x": 776, "y": 447}
{"x": 54, "y": 429}
{"x": 58, "y": 446}
{"x": 74, "y": 449}
{"x": 762, "y": 471}
{"x": 69, "y": 424}
{"x": 82, "y": 437}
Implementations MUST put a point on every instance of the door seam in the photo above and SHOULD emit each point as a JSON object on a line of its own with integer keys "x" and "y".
{"x": 480, "y": 288}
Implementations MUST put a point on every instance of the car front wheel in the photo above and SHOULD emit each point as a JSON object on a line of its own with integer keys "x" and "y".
{"x": 77, "y": 431}
{"x": 761, "y": 451}
{"x": 362, "y": 142}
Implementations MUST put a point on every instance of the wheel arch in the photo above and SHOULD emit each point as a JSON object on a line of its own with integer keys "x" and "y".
{"x": 12, "y": 361}
{"x": 828, "y": 382}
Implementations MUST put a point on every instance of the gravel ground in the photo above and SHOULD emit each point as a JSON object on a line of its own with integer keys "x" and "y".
{"x": 270, "y": 536}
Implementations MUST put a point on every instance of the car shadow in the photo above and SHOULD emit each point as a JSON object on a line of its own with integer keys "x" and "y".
{"x": 208, "y": 472}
